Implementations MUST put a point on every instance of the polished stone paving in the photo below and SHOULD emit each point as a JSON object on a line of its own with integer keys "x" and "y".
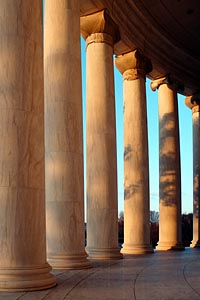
{"x": 159, "y": 276}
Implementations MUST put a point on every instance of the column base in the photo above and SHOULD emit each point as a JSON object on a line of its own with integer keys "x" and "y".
{"x": 136, "y": 249}
{"x": 195, "y": 244}
{"x": 104, "y": 253}
{"x": 33, "y": 278}
{"x": 166, "y": 246}
{"x": 71, "y": 262}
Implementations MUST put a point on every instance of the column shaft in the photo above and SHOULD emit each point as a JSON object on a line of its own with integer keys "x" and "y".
{"x": 23, "y": 263}
{"x": 169, "y": 170}
{"x": 196, "y": 176}
{"x": 102, "y": 226}
{"x": 136, "y": 168}
{"x": 193, "y": 103}
{"x": 63, "y": 136}
{"x": 102, "y": 206}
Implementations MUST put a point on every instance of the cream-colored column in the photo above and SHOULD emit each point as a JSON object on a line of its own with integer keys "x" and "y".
{"x": 23, "y": 263}
{"x": 169, "y": 167}
{"x": 102, "y": 212}
{"x": 193, "y": 103}
{"x": 63, "y": 136}
{"x": 134, "y": 67}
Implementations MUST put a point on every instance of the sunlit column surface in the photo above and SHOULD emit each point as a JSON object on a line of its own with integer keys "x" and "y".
{"x": 169, "y": 166}
{"x": 102, "y": 213}
{"x": 23, "y": 263}
{"x": 63, "y": 136}
{"x": 134, "y": 67}
{"x": 193, "y": 103}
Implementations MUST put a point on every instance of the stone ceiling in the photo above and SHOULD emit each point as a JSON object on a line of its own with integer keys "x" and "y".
{"x": 168, "y": 32}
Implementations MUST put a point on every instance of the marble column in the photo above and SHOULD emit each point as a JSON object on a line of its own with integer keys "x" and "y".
{"x": 134, "y": 67}
{"x": 102, "y": 206}
{"x": 23, "y": 265}
{"x": 63, "y": 136}
{"x": 169, "y": 166}
{"x": 193, "y": 103}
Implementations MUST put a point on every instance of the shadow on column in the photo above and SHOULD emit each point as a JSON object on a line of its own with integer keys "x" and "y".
{"x": 169, "y": 185}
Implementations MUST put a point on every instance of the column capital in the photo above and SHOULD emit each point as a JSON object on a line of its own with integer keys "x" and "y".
{"x": 133, "y": 65}
{"x": 167, "y": 79}
{"x": 99, "y": 37}
{"x": 193, "y": 102}
{"x": 157, "y": 82}
{"x": 99, "y": 25}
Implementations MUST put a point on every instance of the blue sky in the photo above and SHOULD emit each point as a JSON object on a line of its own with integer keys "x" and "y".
{"x": 185, "y": 125}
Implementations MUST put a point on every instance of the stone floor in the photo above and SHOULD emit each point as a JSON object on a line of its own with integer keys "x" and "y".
{"x": 158, "y": 276}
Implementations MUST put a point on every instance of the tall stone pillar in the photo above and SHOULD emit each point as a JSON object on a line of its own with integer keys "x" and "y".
{"x": 134, "y": 67}
{"x": 169, "y": 166}
{"x": 63, "y": 136}
{"x": 193, "y": 103}
{"x": 23, "y": 265}
{"x": 102, "y": 207}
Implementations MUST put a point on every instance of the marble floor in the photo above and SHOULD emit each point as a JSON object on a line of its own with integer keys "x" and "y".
{"x": 159, "y": 276}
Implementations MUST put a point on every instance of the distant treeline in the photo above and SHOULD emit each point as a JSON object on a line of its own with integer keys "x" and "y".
{"x": 187, "y": 228}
